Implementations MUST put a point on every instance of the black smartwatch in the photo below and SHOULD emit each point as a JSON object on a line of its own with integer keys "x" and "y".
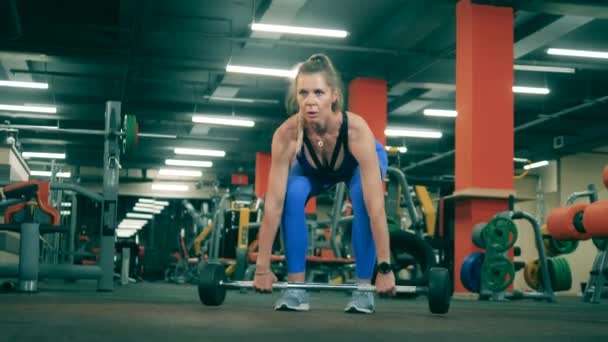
{"x": 384, "y": 267}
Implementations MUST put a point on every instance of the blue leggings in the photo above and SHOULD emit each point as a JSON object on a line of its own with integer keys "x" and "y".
{"x": 300, "y": 188}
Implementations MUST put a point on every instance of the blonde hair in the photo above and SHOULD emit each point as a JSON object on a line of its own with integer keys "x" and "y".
{"x": 317, "y": 63}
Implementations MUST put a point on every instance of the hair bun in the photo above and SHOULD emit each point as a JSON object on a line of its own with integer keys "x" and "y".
{"x": 318, "y": 58}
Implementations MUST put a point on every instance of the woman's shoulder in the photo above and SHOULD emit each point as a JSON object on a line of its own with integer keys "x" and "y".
{"x": 355, "y": 123}
{"x": 288, "y": 129}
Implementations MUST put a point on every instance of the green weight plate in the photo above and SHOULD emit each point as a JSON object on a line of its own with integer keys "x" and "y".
{"x": 500, "y": 234}
{"x": 601, "y": 244}
{"x": 565, "y": 279}
{"x": 563, "y": 246}
{"x": 497, "y": 273}
{"x": 477, "y": 235}
{"x": 130, "y": 138}
{"x": 560, "y": 274}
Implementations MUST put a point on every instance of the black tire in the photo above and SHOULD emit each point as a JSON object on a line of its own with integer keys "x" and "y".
{"x": 209, "y": 290}
{"x": 440, "y": 290}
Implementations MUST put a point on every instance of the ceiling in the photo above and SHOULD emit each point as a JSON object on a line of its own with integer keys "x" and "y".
{"x": 164, "y": 60}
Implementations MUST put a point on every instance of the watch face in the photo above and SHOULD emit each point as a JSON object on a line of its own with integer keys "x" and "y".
{"x": 384, "y": 267}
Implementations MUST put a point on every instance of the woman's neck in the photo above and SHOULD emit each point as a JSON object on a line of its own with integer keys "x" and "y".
{"x": 328, "y": 126}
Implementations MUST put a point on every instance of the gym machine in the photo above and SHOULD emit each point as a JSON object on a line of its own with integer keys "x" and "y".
{"x": 117, "y": 140}
{"x": 29, "y": 213}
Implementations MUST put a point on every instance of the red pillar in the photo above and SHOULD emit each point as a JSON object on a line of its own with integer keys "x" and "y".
{"x": 484, "y": 126}
{"x": 262, "y": 169}
{"x": 367, "y": 97}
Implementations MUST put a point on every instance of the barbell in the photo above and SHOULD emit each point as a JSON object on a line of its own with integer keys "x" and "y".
{"x": 128, "y": 134}
{"x": 213, "y": 284}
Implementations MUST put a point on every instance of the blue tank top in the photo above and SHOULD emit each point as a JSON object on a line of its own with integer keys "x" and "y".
{"x": 349, "y": 163}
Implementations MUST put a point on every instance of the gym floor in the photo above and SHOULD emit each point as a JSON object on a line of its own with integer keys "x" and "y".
{"x": 167, "y": 312}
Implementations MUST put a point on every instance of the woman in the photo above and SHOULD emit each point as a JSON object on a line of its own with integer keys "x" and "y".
{"x": 329, "y": 146}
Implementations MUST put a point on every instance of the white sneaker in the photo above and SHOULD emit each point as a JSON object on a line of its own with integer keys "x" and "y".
{"x": 361, "y": 302}
{"x": 293, "y": 300}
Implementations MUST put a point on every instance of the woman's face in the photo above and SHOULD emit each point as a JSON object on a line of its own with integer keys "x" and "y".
{"x": 314, "y": 96}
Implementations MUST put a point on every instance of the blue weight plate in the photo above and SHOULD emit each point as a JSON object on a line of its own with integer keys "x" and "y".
{"x": 470, "y": 273}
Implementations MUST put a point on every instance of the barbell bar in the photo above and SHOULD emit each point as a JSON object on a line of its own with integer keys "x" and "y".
{"x": 213, "y": 285}
{"x": 129, "y": 132}
{"x": 319, "y": 287}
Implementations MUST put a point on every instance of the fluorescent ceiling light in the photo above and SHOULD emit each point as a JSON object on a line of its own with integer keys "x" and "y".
{"x": 194, "y": 163}
{"x": 241, "y": 69}
{"x": 394, "y": 149}
{"x": 241, "y": 100}
{"x": 48, "y": 174}
{"x": 440, "y": 112}
{"x": 141, "y": 216}
{"x": 398, "y": 132}
{"x": 134, "y": 222}
{"x": 17, "y": 84}
{"x": 521, "y": 160}
{"x": 125, "y": 233}
{"x": 149, "y": 206}
{"x": 535, "y": 165}
{"x": 309, "y": 31}
{"x": 543, "y": 68}
{"x": 65, "y": 212}
{"x": 222, "y": 121}
{"x": 182, "y": 173}
{"x": 130, "y": 226}
{"x": 146, "y": 210}
{"x": 578, "y": 53}
{"x": 231, "y": 99}
{"x": 151, "y": 202}
{"x": 169, "y": 187}
{"x": 199, "y": 152}
{"x": 127, "y": 229}
{"x": 44, "y": 155}
{"x": 530, "y": 90}
{"x": 66, "y": 204}
{"x": 35, "y": 109}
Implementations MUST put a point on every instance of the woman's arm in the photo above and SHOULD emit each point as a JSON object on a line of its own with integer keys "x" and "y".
{"x": 282, "y": 149}
{"x": 363, "y": 147}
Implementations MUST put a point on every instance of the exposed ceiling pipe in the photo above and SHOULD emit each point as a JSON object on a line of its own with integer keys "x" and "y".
{"x": 339, "y": 47}
{"x": 563, "y": 112}
{"x": 543, "y": 118}
{"x": 105, "y": 77}
{"x": 580, "y": 8}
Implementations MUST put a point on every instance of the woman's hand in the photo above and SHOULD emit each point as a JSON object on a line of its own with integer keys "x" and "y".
{"x": 262, "y": 281}
{"x": 385, "y": 283}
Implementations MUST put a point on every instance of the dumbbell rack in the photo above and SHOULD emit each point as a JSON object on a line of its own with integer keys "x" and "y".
{"x": 599, "y": 272}
{"x": 598, "y": 277}
{"x": 547, "y": 291}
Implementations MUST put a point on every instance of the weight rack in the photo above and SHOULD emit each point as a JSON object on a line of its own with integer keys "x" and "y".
{"x": 491, "y": 252}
